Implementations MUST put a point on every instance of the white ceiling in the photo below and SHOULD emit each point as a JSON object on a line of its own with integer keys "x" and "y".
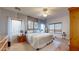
{"x": 37, "y": 11}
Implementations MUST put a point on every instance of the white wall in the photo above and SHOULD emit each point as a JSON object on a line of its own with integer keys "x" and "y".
{"x": 3, "y": 23}
{"x": 64, "y": 18}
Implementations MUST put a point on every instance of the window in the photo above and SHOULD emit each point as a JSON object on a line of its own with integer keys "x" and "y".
{"x": 30, "y": 24}
{"x": 55, "y": 28}
{"x": 58, "y": 28}
{"x": 35, "y": 25}
{"x": 51, "y": 28}
{"x": 42, "y": 28}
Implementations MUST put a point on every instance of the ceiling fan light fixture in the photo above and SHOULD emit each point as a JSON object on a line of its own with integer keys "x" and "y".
{"x": 44, "y": 15}
{"x": 45, "y": 12}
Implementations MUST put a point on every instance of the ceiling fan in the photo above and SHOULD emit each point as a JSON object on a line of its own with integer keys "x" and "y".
{"x": 17, "y": 8}
{"x": 45, "y": 12}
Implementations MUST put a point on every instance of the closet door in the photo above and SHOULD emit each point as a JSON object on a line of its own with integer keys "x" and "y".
{"x": 74, "y": 29}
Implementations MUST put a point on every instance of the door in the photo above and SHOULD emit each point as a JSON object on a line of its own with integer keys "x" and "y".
{"x": 74, "y": 29}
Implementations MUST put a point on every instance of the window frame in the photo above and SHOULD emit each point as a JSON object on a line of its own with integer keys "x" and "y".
{"x": 33, "y": 29}
{"x": 37, "y": 24}
{"x": 28, "y": 25}
{"x": 54, "y": 27}
{"x": 41, "y": 30}
{"x": 55, "y": 30}
{"x": 49, "y": 27}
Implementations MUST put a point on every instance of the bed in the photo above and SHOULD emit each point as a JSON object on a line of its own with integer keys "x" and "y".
{"x": 39, "y": 40}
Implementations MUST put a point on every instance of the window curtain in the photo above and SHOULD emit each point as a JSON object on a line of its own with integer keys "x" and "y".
{"x": 15, "y": 26}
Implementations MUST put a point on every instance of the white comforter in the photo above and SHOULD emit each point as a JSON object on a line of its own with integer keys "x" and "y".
{"x": 39, "y": 40}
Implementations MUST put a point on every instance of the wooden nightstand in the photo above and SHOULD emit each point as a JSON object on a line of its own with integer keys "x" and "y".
{"x": 21, "y": 38}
